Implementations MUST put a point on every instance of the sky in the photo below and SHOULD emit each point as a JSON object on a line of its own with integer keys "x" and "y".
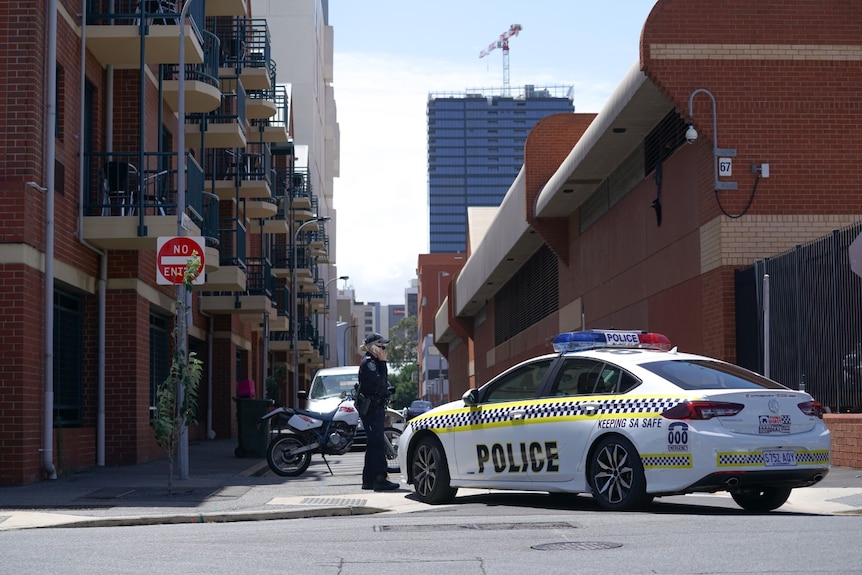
{"x": 390, "y": 54}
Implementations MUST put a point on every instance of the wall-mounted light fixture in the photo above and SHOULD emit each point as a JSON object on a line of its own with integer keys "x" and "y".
{"x": 717, "y": 153}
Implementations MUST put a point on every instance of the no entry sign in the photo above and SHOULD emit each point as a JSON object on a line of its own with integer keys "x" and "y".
{"x": 173, "y": 256}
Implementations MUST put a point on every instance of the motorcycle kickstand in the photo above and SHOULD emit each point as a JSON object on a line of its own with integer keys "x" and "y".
{"x": 327, "y": 464}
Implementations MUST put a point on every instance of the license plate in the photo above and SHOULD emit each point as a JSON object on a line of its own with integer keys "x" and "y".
{"x": 779, "y": 458}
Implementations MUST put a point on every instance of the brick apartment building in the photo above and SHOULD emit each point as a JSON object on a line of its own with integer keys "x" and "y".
{"x": 90, "y": 181}
{"x": 617, "y": 220}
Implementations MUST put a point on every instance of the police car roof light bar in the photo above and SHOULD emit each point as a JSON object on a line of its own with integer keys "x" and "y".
{"x": 593, "y": 339}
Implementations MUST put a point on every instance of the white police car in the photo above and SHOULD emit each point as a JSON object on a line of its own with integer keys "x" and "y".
{"x": 621, "y": 415}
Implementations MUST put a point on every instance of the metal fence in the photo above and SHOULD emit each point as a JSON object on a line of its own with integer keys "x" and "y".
{"x": 811, "y": 302}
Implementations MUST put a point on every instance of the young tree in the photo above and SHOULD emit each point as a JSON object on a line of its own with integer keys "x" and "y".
{"x": 403, "y": 347}
{"x": 177, "y": 396}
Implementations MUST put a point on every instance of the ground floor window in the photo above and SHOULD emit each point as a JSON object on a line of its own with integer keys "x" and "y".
{"x": 159, "y": 355}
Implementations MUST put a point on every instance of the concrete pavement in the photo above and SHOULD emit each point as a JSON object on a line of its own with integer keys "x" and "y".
{"x": 222, "y": 487}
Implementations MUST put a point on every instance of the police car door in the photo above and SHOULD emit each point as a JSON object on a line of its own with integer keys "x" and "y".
{"x": 567, "y": 424}
{"x": 493, "y": 448}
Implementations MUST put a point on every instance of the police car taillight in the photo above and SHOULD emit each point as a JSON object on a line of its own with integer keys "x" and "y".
{"x": 702, "y": 410}
{"x": 592, "y": 339}
{"x": 812, "y": 408}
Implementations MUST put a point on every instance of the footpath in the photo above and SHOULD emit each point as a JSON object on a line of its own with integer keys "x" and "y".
{"x": 222, "y": 487}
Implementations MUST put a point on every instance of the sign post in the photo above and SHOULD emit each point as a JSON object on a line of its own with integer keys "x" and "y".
{"x": 172, "y": 257}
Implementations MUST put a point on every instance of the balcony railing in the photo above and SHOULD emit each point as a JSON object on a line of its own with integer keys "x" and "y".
{"x": 143, "y": 13}
{"x": 140, "y": 184}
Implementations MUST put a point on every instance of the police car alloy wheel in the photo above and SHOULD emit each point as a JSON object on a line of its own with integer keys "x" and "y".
{"x": 431, "y": 473}
{"x": 617, "y": 475}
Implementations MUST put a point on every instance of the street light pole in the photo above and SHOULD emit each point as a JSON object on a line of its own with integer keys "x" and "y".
{"x": 326, "y": 315}
{"x": 295, "y": 312}
{"x": 440, "y": 275}
{"x": 182, "y": 329}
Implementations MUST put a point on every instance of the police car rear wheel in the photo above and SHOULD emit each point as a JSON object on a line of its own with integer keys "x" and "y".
{"x": 617, "y": 475}
{"x": 759, "y": 499}
{"x": 431, "y": 473}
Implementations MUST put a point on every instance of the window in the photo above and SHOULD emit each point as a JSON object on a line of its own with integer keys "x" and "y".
{"x": 521, "y": 383}
{"x": 581, "y": 376}
{"x": 68, "y": 359}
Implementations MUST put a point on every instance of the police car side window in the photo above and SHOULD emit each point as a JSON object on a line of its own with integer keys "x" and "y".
{"x": 577, "y": 377}
{"x": 519, "y": 384}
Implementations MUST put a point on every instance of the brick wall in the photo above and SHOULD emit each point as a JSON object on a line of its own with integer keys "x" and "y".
{"x": 846, "y": 430}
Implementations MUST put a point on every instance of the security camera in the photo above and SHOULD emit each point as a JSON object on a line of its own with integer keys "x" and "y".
{"x": 691, "y": 134}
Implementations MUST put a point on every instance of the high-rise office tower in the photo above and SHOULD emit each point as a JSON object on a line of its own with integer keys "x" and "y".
{"x": 475, "y": 150}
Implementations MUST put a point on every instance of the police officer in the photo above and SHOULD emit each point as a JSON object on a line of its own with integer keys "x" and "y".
{"x": 374, "y": 383}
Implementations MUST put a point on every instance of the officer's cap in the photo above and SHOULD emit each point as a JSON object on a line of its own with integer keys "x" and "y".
{"x": 373, "y": 338}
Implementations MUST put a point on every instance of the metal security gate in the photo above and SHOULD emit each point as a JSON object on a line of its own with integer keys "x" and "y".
{"x": 815, "y": 320}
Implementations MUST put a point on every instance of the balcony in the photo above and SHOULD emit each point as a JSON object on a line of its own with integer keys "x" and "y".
{"x": 239, "y": 174}
{"x": 225, "y": 127}
{"x": 231, "y": 275}
{"x": 274, "y": 129}
{"x": 132, "y": 200}
{"x": 246, "y": 52}
{"x": 115, "y": 28}
{"x": 201, "y": 82}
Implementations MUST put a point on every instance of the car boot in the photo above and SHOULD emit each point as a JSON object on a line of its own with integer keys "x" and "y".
{"x": 383, "y": 484}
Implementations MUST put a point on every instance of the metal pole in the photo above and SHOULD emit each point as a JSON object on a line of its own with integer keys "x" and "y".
{"x": 766, "y": 325}
{"x": 182, "y": 296}
{"x": 295, "y": 311}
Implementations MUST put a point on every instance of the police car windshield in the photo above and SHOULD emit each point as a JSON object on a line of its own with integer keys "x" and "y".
{"x": 332, "y": 385}
{"x": 705, "y": 374}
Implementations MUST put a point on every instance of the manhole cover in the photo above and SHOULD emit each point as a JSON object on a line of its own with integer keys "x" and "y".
{"x": 576, "y": 546}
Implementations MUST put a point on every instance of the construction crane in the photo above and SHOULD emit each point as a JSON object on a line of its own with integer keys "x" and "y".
{"x": 503, "y": 43}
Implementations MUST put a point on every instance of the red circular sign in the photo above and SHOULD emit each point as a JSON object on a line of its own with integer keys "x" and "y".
{"x": 173, "y": 257}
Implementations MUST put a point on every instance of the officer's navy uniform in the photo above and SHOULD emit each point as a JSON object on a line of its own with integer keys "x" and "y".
{"x": 374, "y": 383}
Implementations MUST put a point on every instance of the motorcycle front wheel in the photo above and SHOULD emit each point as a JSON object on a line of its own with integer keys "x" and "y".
{"x": 392, "y": 436}
{"x": 282, "y": 461}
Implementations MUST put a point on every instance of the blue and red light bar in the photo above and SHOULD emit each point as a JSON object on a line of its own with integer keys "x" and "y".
{"x": 593, "y": 339}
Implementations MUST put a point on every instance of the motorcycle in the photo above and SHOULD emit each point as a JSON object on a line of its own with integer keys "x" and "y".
{"x": 299, "y": 433}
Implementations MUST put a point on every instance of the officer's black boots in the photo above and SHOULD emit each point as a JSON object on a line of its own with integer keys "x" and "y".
{"x": 383, "y": 484}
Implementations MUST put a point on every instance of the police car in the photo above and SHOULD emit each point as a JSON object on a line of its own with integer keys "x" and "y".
{"x": 624, "y": 416}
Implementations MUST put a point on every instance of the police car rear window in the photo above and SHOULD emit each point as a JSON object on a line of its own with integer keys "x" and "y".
{"x": 705, "y": 374}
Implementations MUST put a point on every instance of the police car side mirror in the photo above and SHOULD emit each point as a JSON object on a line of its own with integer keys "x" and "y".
{"x": 470, "y": 397}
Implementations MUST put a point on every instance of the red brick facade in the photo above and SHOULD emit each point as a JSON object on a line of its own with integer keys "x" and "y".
{"x": 131, "y": 292}
{"x": 785, "y": 77}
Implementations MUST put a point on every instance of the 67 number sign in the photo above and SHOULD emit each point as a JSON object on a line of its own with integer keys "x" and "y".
{"x": 172, "y": 258}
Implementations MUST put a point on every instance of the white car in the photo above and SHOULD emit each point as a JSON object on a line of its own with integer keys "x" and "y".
{"x": 625, "y": 417}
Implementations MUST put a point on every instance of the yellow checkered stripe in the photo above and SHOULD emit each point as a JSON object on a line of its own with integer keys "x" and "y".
{"x": 666, "y": 461}
{"x": 755, "y": 458}
{"x": 544, "y": 409}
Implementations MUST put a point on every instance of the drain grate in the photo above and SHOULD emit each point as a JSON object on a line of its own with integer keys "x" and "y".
{"x": 576, "y": 546}
{"x": 334, "y": 501}
{"x": 476, "y": 526}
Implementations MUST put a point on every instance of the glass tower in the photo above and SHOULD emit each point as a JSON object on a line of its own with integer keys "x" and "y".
{"x": 475, "y": 150}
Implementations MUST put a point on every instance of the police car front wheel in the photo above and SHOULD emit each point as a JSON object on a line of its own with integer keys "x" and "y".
{"x": 617, "y": 475}
{"x": 431, "y": 473}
